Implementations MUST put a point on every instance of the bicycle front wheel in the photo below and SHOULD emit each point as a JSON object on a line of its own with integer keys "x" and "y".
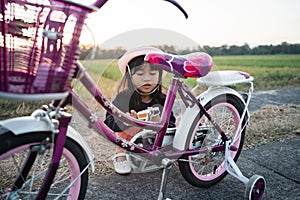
{"x": 18, "y": 183}
{"x": 207, "y": 170}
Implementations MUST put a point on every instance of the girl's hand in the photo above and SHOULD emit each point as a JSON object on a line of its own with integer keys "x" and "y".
{"x": 155, "y": 118}
{"x": 133, "y": 114}
{"x": 154, "y": 114}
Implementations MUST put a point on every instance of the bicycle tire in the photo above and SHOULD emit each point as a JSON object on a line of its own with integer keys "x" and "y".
{"x": 207, "y": 170}
{"x": 12, "y": 154}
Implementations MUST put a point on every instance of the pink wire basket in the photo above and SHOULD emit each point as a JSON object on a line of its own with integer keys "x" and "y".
{"x": 39, "y": 43}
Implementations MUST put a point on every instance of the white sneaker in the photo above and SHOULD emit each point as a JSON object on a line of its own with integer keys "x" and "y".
{"x": 121, "y": 167}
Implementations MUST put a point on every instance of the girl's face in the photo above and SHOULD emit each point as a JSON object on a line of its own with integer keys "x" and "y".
{"x": 145, "y": 79}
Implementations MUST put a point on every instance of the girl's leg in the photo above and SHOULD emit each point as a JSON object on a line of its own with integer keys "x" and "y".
{"x": 121, "y": 164}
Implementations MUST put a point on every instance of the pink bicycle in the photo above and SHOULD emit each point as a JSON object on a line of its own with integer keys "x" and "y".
{"x": 41, "y": 156}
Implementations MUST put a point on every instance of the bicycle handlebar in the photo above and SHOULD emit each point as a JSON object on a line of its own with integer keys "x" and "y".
{"x": 100, "y": 3}
{"x": 175, "y": 3}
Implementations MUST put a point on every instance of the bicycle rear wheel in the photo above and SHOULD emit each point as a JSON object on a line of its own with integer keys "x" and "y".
{"x": 15, "y": 150}
{"x": 207, "y": 170}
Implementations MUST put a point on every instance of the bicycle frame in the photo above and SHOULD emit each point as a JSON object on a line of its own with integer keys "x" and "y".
{"x": 175, "y": 86}
{"x": 157, "y": 153}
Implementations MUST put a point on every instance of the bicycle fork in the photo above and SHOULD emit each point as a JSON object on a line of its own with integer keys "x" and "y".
{"x": 53, "y": 166}
{"x": 57, "y": 153}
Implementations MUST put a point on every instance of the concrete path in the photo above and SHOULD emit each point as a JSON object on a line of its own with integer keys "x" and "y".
{"x": 278, "y": 163}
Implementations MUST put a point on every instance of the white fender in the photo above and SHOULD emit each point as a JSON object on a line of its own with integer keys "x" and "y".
{"x": 191, "y": 113}
{"x": 40, "y": 122}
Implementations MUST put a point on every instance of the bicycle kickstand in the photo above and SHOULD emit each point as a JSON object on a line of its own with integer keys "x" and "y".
{"x": 167, "y": 163}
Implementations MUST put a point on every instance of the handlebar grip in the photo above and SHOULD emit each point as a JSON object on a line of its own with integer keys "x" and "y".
{"x": 99, "y": 3}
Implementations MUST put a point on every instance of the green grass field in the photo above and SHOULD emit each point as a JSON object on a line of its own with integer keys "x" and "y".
{"x": 259, "y": 60}
{"x": 269, "y": 72}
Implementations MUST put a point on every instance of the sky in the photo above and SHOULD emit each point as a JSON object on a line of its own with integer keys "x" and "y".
{"x": 210, "y": 22}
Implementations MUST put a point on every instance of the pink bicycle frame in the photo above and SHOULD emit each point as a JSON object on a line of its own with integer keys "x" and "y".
{"x": 161, "y": 126}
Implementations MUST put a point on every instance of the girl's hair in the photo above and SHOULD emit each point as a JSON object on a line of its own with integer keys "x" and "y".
{"x": 128, "y": 87}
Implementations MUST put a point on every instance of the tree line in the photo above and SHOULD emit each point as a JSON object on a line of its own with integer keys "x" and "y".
{"x": 283, "y": 48}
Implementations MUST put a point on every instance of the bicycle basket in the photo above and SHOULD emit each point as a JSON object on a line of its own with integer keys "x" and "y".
{"x": 39, "y": 43}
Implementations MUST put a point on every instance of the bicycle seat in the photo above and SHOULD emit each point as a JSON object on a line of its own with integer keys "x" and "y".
{"x": 193, "y": 65}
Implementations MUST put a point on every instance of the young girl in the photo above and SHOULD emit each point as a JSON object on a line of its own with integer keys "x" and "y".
{"x": 139, "y": 89}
